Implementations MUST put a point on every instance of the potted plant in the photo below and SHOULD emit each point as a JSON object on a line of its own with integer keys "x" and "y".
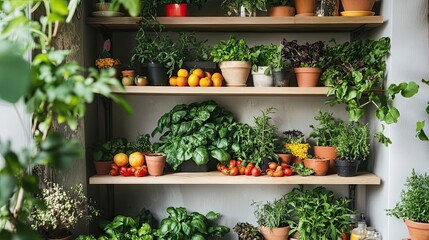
{"x": 128, "y": 71}
{"x": 178, "y": 8}
{"x": 324, "y": 133}
{"x": 103, "y": 154}
{"x": 261, "y": 68}
{"x": 320, "y": 206}
{"x": 155, "y": 163}
{"x": 296, "y": 143}
{"x": 352, "y": 147}
{"x": 358, "y": 5}
{"x": 243, "y": 8}
{"x": 247, "y": 231}
{"x": 195, "y": 53}
{"x": 280, "y": 8}
{"x": 305, "y": 7}
{"x": 319, "y": 165}
{"x": 60, "y": 211}
{"x": 280, "y": 68}
{"x": 307, "y": 61}
{"x": 235, "y": 60}
{"x": 413, "y": 207}
{"x": 273, "y": 218}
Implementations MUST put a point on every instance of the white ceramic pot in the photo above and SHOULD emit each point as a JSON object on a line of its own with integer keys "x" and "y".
{"x": 262, "y": 80}
{"x": 235, "y": 73}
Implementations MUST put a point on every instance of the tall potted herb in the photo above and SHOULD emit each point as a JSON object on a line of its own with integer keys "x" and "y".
{"x": 178, "y": 8}
{"x": 413, "y": 207}
{"x": 262, "y": 66}
{"x": 235, "y": 60}
{"x": 280, "y": 68}
{"x": 352, "y": 147}
{"x": 280, "y": 8}
{"x": 307, "y": 60}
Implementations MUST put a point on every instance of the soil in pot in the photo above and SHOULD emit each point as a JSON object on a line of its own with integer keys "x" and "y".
{"x": 176, "y": 10}
{"x": 320, "y": 166}
{"x": 329, "y": 153}
{"x": 275, "y": 233}
{"x": 307, "y": 77}
{"x": 358, "y": 5}
{"x": 157, "y": 74}
{"x": 281, "y": 78}
{"x": 346, "y": 168}
{"x": 262, "y": 80}
{"x": 155, "y": 163}
{"x": 102, "y": 167}
{"x": 235, "y": 73}
{"x": 417, "y": 230}
{"x": 305, "y": 7}
{"x": 281, "y": 11}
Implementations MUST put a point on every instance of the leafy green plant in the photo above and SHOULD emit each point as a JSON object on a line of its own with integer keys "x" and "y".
{"x": 241, "y": 136}
{"x": 354, "y": 70}
{"x": 278, "y": 60}
{"x": 233, "y": 50}
{"x": 266, "y": 56}
{"x": 327, "y": 130}
{"x": 192, "y": 49}
{"x": 264, "y": 137}
{"x": 232, "y": 7}
{"x": 107, "y": 150}
{"x": 317, "y": 214}
{"x": 274, "y": 214}
{"x": 183, "y": 225}
{"x": 197, "y": 131}
{"x": 247, "y": 231}
{"x": 306, "y": 55}
{"x": 301, "y": 169}
{"x": 414, "y": 199}
{"x": 141, "y": 144}
{"x": 352, "y": 142}
{"x": 421, "y": 125}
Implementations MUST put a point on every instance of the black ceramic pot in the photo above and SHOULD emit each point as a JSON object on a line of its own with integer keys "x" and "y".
{"x": 157, "y": 74}
{"x": 281, "y": 78}
{"x": 346, "y": 168}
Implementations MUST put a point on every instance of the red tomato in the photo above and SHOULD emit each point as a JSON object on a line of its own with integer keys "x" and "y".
{"x": 220, "y": 166}
{"x": 241, "y": 170}
{"x": 233, "y": 171}
{"x": 123, "y": 171}
{"x": 239, "y": 162}
{"x": 251, "y": 165}
{"x": 287, "y": 171}
{"x": 131, "y": 171}
{"x": 114, "y": 166}
{"x": 248, "y": 171}
{"x": 225, "y": 171}
{"x": 140, "y": 172}
{"x": 232, "y": 163}
{"x": 256, "y": 172}
{"x": 284, "y": 165}
{"x": 114, "y": 172}
{"x": 272, "y": 165}
{"x": 278, "y": 173}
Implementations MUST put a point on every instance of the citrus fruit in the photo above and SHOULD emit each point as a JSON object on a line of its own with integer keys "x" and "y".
{"x": 182, "y": 81}
{"x": 173, "y": 81}
{"x": 209, "y": 75}
{"x": 136, "y": 159}
{"x": 199, "y": 72}
{"x": 121, "y": 159}
{"x": 218, "y": 75}
{"x": 217, "y": 82}
{"x": 193, "y": 80}
{"x": 205, "y": 82}
{"x": 183, "y": 73}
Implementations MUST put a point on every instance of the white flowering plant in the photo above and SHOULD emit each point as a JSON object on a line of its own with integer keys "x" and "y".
{"x": 61, "y": 210}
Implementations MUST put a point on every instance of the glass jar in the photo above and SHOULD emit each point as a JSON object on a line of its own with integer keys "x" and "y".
{"x": 327, "y": 8}
{"x": 359, "y": 233}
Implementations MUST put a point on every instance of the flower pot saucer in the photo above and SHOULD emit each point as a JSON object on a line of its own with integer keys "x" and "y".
{"x": 236, "y": 85}
{"x": 357, "y": 13}
{"x": 305, "y": 15}
{"x": 107, "y": 14}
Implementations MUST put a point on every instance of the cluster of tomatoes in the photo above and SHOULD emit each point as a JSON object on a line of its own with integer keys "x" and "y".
{"x": 126, "y": 166}
{"x": 235, "y": 167}
{"x": 115, "y": 170}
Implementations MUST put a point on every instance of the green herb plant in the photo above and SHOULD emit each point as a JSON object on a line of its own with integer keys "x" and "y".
{"x": 183, "y": 225}
{"x": 327, "y": 129}
{"x": 232, "y": 7}
{"x": 265, "y": 136}
{"x": 355, "y": 69}
{"x": 266, "y": 56}
{"x": 274, "y": 214}
{"x": 414, "y": 204}
{"x": 421, "y": 125}
{"x": 301, "y": 169}
{"x": 247, "y": 231}
{"x": 352, "y": 142}
{"x": 192, "y": 49}
{"x": 242, "y": 137}
{"x": 317, "y": 214}
{"x": 278, "y": 60}
{"x": 233, "y": 50}
{"x": 107, "y": 150}
{"x": 141, "y": 144}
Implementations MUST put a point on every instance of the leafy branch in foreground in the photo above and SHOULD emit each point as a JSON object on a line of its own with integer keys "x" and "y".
{"x": 421, "y": 134}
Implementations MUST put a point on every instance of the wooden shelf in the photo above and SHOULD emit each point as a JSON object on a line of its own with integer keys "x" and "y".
{"x": 245, "y": 24}
{"x": 217, "y": 178}
{"x": 224, "y": 91}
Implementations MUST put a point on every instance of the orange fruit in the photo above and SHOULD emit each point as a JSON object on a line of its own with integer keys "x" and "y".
{"x": 199, "y": 72}
{"x": 218, "y": 75}
{"x": 183, "y": 73}
{"x": 173, "y": 81}
{"x": 121, "y": 159}
{"x": 205, "y": 82}
{"x": 193, "y": 80}
{"x": 209, "y": 75}
{"x": 182, "y": 81}
{"x": 136, "y": 159}
{"x": 217, "y": 82}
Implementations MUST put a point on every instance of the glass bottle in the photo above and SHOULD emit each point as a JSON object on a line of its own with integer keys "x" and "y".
{"x": 370, "y": 234}
{"x": 377, "y": 236}
{"x": 359, "y": 233}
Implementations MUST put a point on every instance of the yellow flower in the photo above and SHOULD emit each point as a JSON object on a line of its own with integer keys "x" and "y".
{"x": 299, "y": 150}
{"x": 106, "y": 62}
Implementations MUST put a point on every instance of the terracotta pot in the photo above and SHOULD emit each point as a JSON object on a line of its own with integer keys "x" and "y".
{"x": 320, "y": 166}
{"x": 329, "y": 153}
{"x": 281, "y": 11}
{"x": 262, "y": 80}
{"x": 128, "y": 73}
{"x": 305, "y": 7}
{"x": 155, "y": 163}
{"x": 417, "y": 230}
{"x": 358, "y": 5}
{"x": 296, "y": 159}
{"x": 285, "y": 158}
{"x": 275, "y": 233}
{"x": 307, "y": 76}
{"x": 102, "y": 167}
{"x": 176, "y": 10}
{"x": 235, "y": 73}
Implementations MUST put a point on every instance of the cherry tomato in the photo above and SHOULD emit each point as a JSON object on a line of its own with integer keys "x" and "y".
{"x": 233, "y": 171}
{"x": 239, "y": 162}
{"x": 248, "y": 171}
{"x": 114, "y": 166}
{"x": 272, "y": 165}
{"x": 140, "y": 172}
{"x": 269, "y": 172}
{"x": 256, "y": 172}
{"x": 131, "y": 171}
{"x": 278, "y": 173}
{"x": 287, "y": 171}
{"x": 232, "y": 163}
{"x": 241, "y": 170}
{"x": 225, "y": 171}
{"x": 123, "y": 171}
{"x": 284, "y": 165}
{"x": 114, "y": 172}
{"x": 251, "y": 165}
{"x": 220, "y": 166}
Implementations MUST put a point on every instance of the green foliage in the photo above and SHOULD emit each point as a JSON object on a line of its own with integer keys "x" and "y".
{"x": 317, "y": 214}
{"x": 414, "y": 204}
{"x": 327, "y": 130}
{"x": 107, "y": 150}
{"x": 247, "y": 231}
{"x": 352, "y": 142}
{"x": 196, "y": 131}
{"x": 185, "y": 226}
{"x": 242, "y": 137}
{"x": 274, "y": 214}
{"x": 421, "y": 134}
{"x": 294, "y": 137}
{"x": 301, "y": 169}
{"x": 232, "y": 7}
{"x": 192, "y": 49}
{"x": 278, "y": 60}
{"x": 267, "y": 54}
{"x": 354, "y": 70}
{"x": 233, "y": 50}
{"x": 264, "y": 137}
{"x": 142, "y": 144}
